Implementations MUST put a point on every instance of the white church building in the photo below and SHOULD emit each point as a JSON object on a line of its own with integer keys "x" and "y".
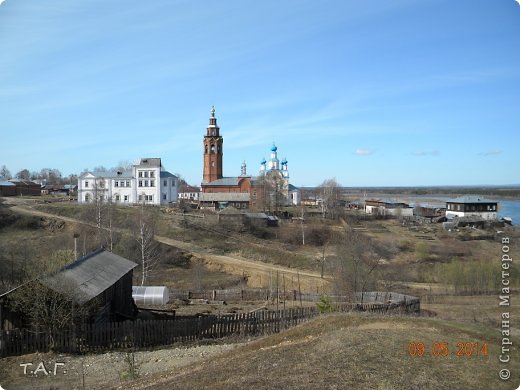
{"x": 146, "y": 181}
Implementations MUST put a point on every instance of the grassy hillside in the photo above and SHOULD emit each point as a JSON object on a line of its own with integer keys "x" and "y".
{"x": 351, "y": 352}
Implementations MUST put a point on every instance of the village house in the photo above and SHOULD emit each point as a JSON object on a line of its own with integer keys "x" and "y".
{"x": 388, "y": 208}
{"x": 19, "y": 187}
{"x": 472, "y": 206}
{"x": 146, "y": 182}
{"x": 7, "y": 188}
{"x": 189, "y": 193}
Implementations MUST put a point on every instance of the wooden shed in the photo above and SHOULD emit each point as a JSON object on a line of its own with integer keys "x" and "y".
{"x": 102, "y": 279}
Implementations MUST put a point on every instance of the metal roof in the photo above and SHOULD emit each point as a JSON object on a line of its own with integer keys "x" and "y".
{"x": 89, "y": 276}
{"x": 149, "y": 162}
{"x": 224, "y": 197}
{"x": 471, "y": 199}
{"x": 257, "y": 215}
{"x": 225, "y": 181}
{"x": 24, "y": 182}
{"x": 108, "y": 174}
{"x": 7, "y": 184}
{"x": 167, "y": 174}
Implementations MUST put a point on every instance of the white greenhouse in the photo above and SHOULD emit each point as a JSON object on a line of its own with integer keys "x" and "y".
{"x": 150, "y": 295}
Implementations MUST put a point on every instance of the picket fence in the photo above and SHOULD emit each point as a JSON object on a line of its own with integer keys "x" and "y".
{"x": 143, "y": 334}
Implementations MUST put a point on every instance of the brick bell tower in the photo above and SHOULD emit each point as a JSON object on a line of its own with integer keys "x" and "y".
{"x": 212, "y": 151}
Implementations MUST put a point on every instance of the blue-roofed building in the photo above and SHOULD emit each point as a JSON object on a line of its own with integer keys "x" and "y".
{"x": 472, "y": 206}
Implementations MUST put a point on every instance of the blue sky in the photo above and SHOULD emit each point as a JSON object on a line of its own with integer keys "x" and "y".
{"x": 372, "y": 93}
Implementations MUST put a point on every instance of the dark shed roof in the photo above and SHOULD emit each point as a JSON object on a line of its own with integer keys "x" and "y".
{"x": 91, "y": 275}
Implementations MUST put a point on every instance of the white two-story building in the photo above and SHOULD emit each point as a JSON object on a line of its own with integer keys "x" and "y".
{"x": 146, "y": 181}
{"x": 472, "y": 206}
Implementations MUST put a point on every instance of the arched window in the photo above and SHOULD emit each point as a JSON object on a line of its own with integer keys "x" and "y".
{"x": 206, "y": 150}
{"x": 212, "y": 148}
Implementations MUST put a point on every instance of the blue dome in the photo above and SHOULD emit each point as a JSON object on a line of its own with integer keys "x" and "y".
{"x": 263, "y": 161}
{"x": 274, "y": 148}
{"x": 284, "y": 162}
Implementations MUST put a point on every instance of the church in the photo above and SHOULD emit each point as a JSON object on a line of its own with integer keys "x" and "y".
{"x": 268, "y": 191}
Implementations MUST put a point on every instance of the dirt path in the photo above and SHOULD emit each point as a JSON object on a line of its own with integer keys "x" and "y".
{"x": 100, "y": 371}
{"x": 258, "y": 274}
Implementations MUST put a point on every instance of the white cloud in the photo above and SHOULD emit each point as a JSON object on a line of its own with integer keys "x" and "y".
{"x": 363, "y": 152}
{"x": 427, "y": 153}
{"x": 493, "y": 152}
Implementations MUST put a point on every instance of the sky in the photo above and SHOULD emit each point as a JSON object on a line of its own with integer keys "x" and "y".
{"x": 371, "y": 93}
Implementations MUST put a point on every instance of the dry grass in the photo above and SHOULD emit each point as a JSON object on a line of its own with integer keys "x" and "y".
{"x": 350, "y": 352}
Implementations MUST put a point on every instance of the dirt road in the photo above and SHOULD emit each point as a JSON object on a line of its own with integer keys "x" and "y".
{"x": 258, "y": 274}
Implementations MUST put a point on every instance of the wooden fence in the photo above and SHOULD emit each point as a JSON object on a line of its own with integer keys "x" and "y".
{"x": 259, "y": 294}
{"x": 141, "y": 334}
{"x": 150, "y": 333}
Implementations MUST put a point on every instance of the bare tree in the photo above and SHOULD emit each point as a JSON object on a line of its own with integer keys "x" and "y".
{"x": 330, "y": 196}
{"x": 271, "y": 192}
{"x": 49, "y": 302}
{"x": 123, "y": 166}
{"x": 50, "y": 175}
{"x": 144, "y": 233}
{"x": 5, "y": 173}
{"x": 355, "y": 262}
{"x": 24, "y": 174}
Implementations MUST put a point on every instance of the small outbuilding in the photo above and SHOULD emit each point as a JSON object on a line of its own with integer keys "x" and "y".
{"x": 151, "y": 295}
{"x": 102, "y": 280}
{"x": 388, "y": 208}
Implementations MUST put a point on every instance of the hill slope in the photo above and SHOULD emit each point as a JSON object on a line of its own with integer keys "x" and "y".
{"x": 354, "y": 352}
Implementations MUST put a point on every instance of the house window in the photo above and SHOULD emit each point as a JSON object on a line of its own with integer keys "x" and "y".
{"x": 117, "y": 198}
{"x": 164, "y": 196}
{"x": 165, "y": 183}
{"x": 145, "y": 173}
{"x": 128, "y": 183}
{"x": 116, "y": 184}
{"x": 140, "y": 174}
{"x": 152, "y": 174}
{"x": 126, "y": 198}
{"x": 86, "y": 184}
{"x": 140, "y": 183}
{"x": 87, "y": 197}
{"x": 146, "y": 183}
{"x": 140, "y": 198}
{"x": 148, "y": 197}
{"x": 152, "y": 183}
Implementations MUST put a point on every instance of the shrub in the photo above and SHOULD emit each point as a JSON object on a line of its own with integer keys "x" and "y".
{"x": 325, "y": 305}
